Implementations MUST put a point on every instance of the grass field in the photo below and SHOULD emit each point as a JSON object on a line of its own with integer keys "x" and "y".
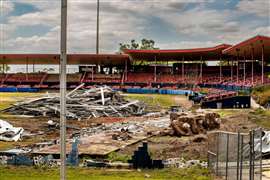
{"x": 6, "y": 99}
{"x": 262, "y": 94}
{"x": 31, "y": 173}
{"x": 159, "y": 100}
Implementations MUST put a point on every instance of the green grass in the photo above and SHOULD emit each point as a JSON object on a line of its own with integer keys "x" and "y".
{"x": 32, "y": 173}
{"x": 156, "y": 100}
{"x": 114, "y": 157}
{"x": 225, "y": 112}
{"x": 262, "y": 94}
{"x": 261, "y": 118}
{"x": 7, "y": 99}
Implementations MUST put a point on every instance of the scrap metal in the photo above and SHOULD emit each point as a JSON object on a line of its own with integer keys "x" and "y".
{"x": 81, "y": 104}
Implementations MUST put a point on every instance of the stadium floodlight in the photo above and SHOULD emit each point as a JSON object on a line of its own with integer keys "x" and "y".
{"x": 63, "y": 79}
{"x": 97, "y": 40}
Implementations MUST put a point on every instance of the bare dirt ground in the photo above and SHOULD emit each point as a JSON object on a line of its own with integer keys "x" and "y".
{"x": 163, "y": 147}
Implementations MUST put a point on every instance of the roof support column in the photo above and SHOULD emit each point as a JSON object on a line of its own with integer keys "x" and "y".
{"x": 262, "y": 64}
{"x": 92, "y": 73}
{"x": 183, "y": 68}
{"x": 201, "y": 69}
{"x": 237, "y": 67}
{"x": 252, "y": 66}
{"x": 244, "y": 67}
{"x": 63, "y": 87}
{"x": 126, "y": 71}
{"x": 33, "y": 66}
{"x": 155, "y": 70}
{"x": 220, "y": 70}
{"x": 27, "y": 68}
{"x": 232, "y": 71}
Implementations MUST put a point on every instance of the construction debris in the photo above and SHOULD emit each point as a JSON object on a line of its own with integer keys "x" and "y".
{"x": 181, "y": 163}
{"x": 81, "y": 104}
{"x": 187, "y": 124}
{"x": 9, "y": 133}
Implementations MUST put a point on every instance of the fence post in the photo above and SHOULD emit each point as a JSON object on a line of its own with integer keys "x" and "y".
{"x": 217, "y": 154}
{"x": 241, "y": 155}
{"x": 227, "y": 154}
{"x": 260, "y": 153}
{"x": 250, "y": 155}
{"x": 238, "y": 147}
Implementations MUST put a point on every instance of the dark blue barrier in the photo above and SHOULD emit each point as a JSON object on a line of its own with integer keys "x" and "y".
{"x": 8, "y": 89}
{"x": 237, "y": 102}
{"x": 158, "y": 91}
{"x": 14, "y": 89}
{"x": 27, "y": 89}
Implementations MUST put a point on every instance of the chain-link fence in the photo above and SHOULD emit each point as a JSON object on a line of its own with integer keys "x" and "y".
{"x": 236, "y": 156}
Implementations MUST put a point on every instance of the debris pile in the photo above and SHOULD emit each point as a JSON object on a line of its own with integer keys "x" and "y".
{"x": 9, "y": 133}
{"x": 181, "y": 163}
{"x": 81, "y": 104}
{"x": 187, "y": 124}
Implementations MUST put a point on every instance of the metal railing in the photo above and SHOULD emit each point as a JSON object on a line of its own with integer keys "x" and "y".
{"x": 236, "y": 156}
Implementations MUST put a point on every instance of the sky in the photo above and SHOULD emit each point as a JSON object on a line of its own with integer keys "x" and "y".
{"x": 33, "y": 26}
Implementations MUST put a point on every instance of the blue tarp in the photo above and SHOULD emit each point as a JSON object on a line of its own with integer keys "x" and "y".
{"x": 158, "y": 91}
{"x": 14, "y": 89}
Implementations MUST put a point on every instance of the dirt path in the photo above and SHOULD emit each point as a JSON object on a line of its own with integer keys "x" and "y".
{"x": 183, "y": 101}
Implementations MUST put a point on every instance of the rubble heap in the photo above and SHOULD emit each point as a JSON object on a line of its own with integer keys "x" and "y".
{"x": 187, "y": 124}
{"x": 81, "y": 104}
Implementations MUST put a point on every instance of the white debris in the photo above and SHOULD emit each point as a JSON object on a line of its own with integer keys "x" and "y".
{"x": 9, "y": 133}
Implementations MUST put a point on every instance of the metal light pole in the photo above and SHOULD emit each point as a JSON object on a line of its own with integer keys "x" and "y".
{"x": 97, "y": 40}
{"x": 63, "y": 63}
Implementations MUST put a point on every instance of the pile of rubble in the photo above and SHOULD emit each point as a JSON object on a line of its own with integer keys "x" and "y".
{"x": 9, "y": 133}
{"x": 181, "y": 163}
{"x": 187, "y": 123}
{"x": 81, "y": 104}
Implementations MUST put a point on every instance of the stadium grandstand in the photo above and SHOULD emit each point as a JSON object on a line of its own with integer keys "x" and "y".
{"x": 228, "y": 68}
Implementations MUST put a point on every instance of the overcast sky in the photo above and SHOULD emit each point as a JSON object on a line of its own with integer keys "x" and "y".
{"x": 33, "y": 26}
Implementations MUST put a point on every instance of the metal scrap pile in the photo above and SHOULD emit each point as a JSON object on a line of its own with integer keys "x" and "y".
{"x": 81, "y": 104}
{"x": 186, "y": 124}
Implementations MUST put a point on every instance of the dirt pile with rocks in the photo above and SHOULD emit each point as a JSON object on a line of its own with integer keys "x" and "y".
{"x": 187, "y": 123}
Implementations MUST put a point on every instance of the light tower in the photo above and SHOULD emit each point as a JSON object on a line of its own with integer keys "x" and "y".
{"x": 63, "y": 79}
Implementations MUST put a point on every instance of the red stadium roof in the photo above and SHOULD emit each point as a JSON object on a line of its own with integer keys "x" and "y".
{"x": 244, "y": 49}
{"x": 211, "y": 53}
{"x": 104, "y": 59}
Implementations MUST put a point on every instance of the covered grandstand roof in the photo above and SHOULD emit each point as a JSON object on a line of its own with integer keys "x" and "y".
{"x": 104, "y": 59}
{"x": 211, "y": 53}
{"x": 244, "y": 49}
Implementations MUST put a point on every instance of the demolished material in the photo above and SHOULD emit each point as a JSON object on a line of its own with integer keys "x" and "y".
{"x": 9, "y": 133}
{"x": 187, "y": 124}
{"x": 81, "y": 104}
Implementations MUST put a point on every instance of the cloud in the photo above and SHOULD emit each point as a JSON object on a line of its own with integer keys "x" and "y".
{"x": 201, "y": 21}
{"x": 258, "y": 7}
{"x": 6, "y": 7}
{"x": 123, "y": 20}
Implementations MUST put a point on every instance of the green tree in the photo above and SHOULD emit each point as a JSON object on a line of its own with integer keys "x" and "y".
{"x": 4, "y": 68}
{"x": 144, "y": 44}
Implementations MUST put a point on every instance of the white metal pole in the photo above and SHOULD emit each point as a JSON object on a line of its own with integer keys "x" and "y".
{"x": 220, "y": 70}
{"x": 201, "y": 69}
{"x": 262, "y": 64}
{"x": 63, "y": 62}
{"x": 97, "y": 40}
{"x": 252, "y": 66}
